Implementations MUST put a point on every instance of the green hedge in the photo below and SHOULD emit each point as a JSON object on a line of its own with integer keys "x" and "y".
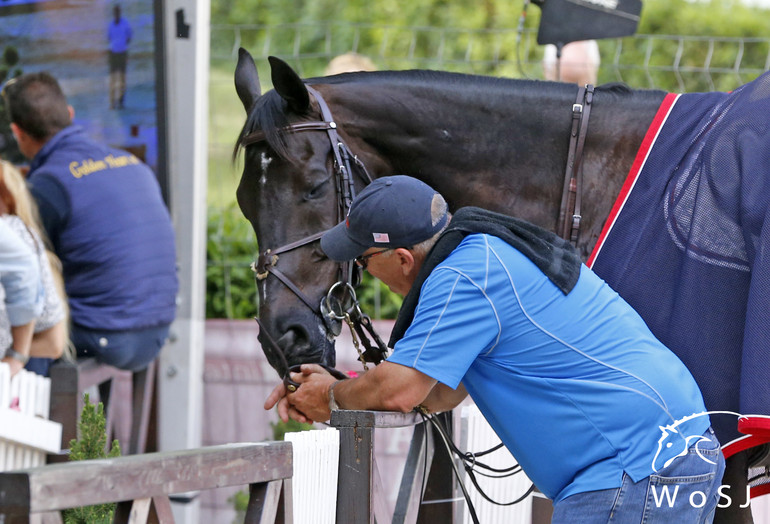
{"x": 230, "y": 249}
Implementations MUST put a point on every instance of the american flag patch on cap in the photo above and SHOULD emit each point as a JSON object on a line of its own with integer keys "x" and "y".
{"x": 381, "y": 237}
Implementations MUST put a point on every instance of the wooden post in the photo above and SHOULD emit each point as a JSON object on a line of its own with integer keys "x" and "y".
{"x": 359, "y": 501}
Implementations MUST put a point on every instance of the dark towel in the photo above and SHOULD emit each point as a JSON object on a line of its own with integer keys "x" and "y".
{"x": 554, "y": 256}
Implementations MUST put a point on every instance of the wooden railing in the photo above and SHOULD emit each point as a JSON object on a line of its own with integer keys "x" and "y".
{"x": 69, "y": 381}
{"x": 141, "y": 484}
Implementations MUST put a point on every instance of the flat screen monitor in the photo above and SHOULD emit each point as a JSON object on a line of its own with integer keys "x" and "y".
{"x": 72, "y": 39}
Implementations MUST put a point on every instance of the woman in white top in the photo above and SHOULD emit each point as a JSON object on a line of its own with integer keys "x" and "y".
{"x": 18, "y": 211}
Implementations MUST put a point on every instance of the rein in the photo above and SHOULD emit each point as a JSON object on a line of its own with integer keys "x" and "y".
{"x": 332, "y": 310}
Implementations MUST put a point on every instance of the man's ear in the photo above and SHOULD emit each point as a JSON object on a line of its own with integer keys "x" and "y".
{"x": 72, "y": 113}
{"x": 406, "y": 260}
{"x": 18, "y": 133}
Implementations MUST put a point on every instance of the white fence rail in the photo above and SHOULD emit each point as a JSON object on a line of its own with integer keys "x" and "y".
{"x": 314, "y": 481}
{"x": 26, "y": 434}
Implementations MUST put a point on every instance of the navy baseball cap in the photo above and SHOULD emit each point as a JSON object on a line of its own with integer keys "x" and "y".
{"x": 391, "y": 212}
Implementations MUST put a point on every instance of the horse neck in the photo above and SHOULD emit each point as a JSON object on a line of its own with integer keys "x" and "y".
{"x": 499, "y": 145}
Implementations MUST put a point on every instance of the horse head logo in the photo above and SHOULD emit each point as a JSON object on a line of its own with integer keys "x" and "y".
{"x": 672, "y": 436}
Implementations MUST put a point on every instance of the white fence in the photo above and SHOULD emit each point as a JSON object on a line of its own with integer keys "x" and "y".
{"x": 26, "y": 434}
{"x": 316, "y": 456}
{"x": 314, "y": 482}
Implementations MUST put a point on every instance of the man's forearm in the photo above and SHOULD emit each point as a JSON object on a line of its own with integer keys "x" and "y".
{"x": 387, "y": 387}
{"x": 444, "y": 398}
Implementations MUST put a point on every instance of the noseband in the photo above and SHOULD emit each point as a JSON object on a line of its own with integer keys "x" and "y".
{"x": 267, "y": 261}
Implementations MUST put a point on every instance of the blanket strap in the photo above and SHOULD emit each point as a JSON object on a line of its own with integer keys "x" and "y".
{"x": 573, "y": 177}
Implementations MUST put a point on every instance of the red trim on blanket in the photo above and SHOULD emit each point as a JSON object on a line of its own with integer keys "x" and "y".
{"x": 742, "y": 444}
{"x": 641, "y": 157}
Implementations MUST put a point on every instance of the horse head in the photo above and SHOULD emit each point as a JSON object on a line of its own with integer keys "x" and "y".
{"x": 671, "y": 436}
{"x": 288, "y": 191}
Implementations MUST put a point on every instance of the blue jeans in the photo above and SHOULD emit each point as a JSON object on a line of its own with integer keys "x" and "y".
{"x": 39, "y": 365}
{"x": 132, "y": 349}
{"x": 686, "y": 492}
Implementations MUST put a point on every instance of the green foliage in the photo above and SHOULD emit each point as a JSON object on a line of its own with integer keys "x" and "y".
{"x": 240, "y": 500}
{"x": 11, "y": 56}
{"x": 8, "y": 148}
{"x": 478, "y": 37}
{"x": 703, "y": 66}
{"x": 280, "y": 428}
{"x": 230, "y": 248}
{"x": 374, "y": 296}
{"x": 91, "y": 445}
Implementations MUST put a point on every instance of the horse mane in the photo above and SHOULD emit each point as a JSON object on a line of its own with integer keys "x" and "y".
{"x": 619, "y": 88}
{"x": 269, "y": 111}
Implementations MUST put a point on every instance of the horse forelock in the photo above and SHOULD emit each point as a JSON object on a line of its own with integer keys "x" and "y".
{"x": 269, "y": 116}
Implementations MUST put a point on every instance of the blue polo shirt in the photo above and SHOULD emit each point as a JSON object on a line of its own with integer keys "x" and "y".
{"x": 575, "y": 386}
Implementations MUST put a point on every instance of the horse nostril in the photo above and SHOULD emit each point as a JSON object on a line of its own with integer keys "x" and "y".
{"x": 299, "y": 334}
{"x": 297, "y": 348}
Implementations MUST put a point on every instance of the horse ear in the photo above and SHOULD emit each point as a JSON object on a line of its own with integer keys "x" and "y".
{"x": 246, "y": 79}
{"x": 289, "y": 85}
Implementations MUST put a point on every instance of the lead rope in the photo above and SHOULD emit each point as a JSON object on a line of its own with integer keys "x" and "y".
{"x": 470, "y": 463}
{"x": 349, "y": 322}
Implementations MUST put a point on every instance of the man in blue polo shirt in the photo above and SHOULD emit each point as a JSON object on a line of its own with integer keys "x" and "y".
{"x": 596, "y": 410}
{"x": 119, "y": 34}
{"x": 104, "y": 214}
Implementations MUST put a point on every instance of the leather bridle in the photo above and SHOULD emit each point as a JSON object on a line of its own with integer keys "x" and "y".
{"x": 330, "y": 310}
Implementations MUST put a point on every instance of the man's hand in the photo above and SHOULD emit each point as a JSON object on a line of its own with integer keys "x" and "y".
{"x": 312, "y": 397}
{"x": 285, "y": 410}
{"x": 311, "y": 379}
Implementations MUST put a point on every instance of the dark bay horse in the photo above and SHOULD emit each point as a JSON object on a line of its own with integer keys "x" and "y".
{"x": 496, "y": 143}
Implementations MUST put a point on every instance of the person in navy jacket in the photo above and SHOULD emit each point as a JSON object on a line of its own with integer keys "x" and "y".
{"x": 104, "y": 214}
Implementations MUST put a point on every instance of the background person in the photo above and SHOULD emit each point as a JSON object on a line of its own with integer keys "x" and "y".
{"x": 579, "y": 63}
{"x": 119, "y": 34}
{"x": 22, "y": 296}
{"x": 567, "y": 374}
{"x": 349, "y": 63}
{"x": 103, "y": 212}
{"x": 18, "y": 210}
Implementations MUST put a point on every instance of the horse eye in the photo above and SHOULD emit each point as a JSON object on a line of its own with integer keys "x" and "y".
{"x": 318, "y": 254}
{"x": 317, "y": 191}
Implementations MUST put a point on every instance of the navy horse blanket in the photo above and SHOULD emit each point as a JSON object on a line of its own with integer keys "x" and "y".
{"x": 687, "y": 243}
